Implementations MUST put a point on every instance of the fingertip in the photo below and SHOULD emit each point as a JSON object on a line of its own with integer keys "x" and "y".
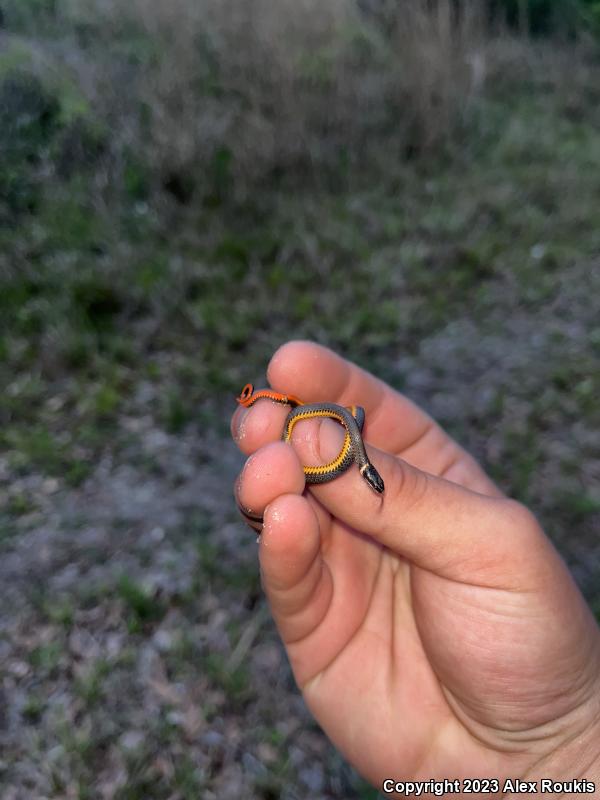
{"x": 269, "y": 472}
{"x": 253, "y": 427}
{"x": 284, "y": 364}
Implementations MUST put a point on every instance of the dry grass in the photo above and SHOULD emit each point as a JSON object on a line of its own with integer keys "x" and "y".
{"x": 439, "y": 65}
{"x": 234, "y": 91}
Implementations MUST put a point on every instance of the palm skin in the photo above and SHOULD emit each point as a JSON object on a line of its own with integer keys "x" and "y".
{"x": 434, "y": 632}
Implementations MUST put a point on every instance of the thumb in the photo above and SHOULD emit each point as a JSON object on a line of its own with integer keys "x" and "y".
{"x": 436, "y": 524}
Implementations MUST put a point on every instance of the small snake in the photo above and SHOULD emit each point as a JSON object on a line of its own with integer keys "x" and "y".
{"x": 353, "y": 448}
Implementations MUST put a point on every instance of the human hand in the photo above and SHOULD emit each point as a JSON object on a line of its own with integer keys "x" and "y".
{"x": 434, "y": 631}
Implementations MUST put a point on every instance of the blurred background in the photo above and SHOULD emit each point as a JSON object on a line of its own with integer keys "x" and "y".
{"x": 185, "y": 185}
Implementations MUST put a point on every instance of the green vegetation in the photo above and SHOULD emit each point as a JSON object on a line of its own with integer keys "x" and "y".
{"x": 90, "y": 686}
{"x": 544, "y": 16}
{"x": 46, "y": 657}
{"x": 143, "y": 607}
{"x": 182, "y": 189}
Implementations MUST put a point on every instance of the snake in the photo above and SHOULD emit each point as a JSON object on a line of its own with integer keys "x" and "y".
{"x": 353, "y": 451}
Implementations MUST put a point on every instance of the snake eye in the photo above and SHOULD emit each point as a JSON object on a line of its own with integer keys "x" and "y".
{"x": 246, "y": 393}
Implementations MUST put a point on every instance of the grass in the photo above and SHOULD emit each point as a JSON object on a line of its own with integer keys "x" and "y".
{"x": 46, "y": 658}
{"x": 90, "y": 686}
{"x": 143, "y": 608}
{"x": 438, "y": 225}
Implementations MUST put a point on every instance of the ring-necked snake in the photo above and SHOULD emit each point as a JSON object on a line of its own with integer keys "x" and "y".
{"x": 353, "y": 448}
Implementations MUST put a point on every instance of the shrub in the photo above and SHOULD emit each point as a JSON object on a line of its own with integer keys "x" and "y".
{"x": 547, "y": 16}
{"x": 219, "y": 95}
{"x": 28, "y": 121}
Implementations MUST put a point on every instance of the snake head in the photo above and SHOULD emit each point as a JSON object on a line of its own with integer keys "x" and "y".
{"x": 373, "y": 478}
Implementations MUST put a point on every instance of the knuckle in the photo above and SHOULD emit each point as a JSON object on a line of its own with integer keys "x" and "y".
{"x": 521, "y": 518}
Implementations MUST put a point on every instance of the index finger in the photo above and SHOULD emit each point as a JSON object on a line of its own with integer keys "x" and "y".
{"x": 393, "y": 422}
{"x": 315, "y": 373}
